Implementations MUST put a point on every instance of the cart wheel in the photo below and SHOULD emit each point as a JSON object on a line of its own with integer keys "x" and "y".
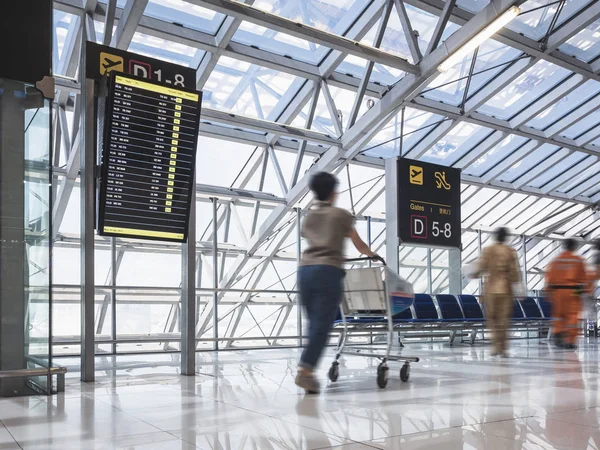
{"x": 334, "y": 372}
{"x": 382, "y": 375}
{"x": 405, "y": 372}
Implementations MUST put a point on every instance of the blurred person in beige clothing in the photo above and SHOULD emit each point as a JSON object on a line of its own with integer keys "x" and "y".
{"x": 499, "y": 264}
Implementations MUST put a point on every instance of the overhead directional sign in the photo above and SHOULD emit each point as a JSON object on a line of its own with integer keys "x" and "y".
{"x": 428, "y": 204}
{"x": 148, "y": 160}
{"x": 102, "y": 60}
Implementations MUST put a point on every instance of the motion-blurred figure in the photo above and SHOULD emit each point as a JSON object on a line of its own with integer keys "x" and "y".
{"x": 320, "y": 274}
{"x": 566, "y": 282}
{"x": 500, "y": 265}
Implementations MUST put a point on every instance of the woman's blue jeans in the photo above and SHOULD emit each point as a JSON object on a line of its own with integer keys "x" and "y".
{"x": 320, "y": 295}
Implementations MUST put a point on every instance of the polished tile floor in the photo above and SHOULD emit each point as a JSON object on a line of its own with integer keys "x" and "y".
{"x": 457, "y": 398}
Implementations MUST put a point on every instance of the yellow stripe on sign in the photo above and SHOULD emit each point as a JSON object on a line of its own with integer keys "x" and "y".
{"x": 156, "y": 88}
{"x": 143, "y": 233}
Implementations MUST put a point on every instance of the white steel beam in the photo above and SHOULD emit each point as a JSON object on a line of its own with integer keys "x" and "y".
{"x": 409, "y": 32}
{"x": 411, "y": 85}
{"x": 128, "y": 23}
{"x": 306, "y": 32}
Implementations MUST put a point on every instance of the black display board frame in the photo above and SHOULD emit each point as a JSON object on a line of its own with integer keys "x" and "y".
{"x": 429, "y": 193}
{"x": 104, "y": 169}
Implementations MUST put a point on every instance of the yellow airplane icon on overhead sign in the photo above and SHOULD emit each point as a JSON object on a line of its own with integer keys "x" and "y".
{"x": 110, "y": 63}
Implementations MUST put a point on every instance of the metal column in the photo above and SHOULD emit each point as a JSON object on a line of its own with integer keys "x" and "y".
{"x": 188, "y": 295}
{"x": 392, "y": 242}
{"x": 14, "y": 275}
{"x": 480, "y": 248}
{"x": 455, "y": 271}
{"x": 215, "y": 255}
{"x": 524, "y": 247}
{"x": 369, "y": 237}
{"x": 429, "y": 272}
{"x": 298, "y": 259}
{"x": 88, "y": 162}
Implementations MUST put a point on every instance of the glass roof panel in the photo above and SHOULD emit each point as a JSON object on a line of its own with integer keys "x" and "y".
{"x": 500, "y": 211}
{"x": 495, "y": 155}
{"x": 186, "y": 14}
{"x": 583, "y": 125}
{"x": 452, "y": 83}
{"x": 593, "y": 190}
{"x": 556, "y": 170}
{"x": 246, "y": 88}
{"x": 528, "y": 163}
{"x": 529, "y": 86}
{"x": 386, "y": 143}
{"x": 383, "y": 75}
{"x": 424, "y": 23}
{"x": 565, "y": 104}
{"x": 323, "y": 122}
{"x": 452, "y": 146}
{"x": 394, "y": 40}
{"x": 585, "y": 45}
{"x": 334, "y": 16}
{"x": 581, "y": 177}
{"x": 283, "y": 44}
{"x": 154, "y": 47}
{"x": 473, "y": 6}
{"x": 535, "y": 24}
{"x": 120, "y": 3}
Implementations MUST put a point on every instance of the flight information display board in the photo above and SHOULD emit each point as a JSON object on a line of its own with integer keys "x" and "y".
{"x": 148, "y": 160}
{"x": 428, "y": 204}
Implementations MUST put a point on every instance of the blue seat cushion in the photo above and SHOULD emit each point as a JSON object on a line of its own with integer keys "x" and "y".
{"x": 532, "y": 310}
{"x": 449, "y": 307}
{"x": 425, "y": 308}
{"x": 471, "y": 307}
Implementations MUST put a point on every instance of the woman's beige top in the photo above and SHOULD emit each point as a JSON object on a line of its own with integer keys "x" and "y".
{"x": 325, "y": 229}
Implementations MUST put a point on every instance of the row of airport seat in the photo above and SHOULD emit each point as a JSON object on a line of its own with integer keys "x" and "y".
{"x": 460, "y": 315}
{"x": 466, "y": 308}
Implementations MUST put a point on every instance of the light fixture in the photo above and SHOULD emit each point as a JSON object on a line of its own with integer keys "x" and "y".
{"x": 478, "y": 39}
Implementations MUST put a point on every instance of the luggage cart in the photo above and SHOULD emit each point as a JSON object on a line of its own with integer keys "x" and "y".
{"x": 372, "y": 296}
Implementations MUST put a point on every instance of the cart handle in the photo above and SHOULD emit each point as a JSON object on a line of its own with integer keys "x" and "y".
{"x": 367, "y": 258}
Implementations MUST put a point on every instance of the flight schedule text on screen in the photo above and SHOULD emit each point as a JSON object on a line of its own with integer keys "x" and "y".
{"x": 149, "y": 157}
{"x": 429, "y": 210}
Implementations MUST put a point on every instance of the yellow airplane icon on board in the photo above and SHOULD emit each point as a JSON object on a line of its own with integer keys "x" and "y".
{"x": 109, "y": 63}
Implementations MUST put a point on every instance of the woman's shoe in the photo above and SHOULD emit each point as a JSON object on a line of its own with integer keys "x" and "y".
{"x": 308, "y": 382}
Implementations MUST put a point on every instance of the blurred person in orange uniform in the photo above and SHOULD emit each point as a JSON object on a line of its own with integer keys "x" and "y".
{"x": 566, "y": 281}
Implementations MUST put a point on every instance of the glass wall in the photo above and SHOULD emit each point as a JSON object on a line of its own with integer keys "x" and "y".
{"x": 25, "y": 236}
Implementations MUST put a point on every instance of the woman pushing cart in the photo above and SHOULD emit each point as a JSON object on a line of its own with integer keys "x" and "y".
{"x": 320, "y": 275}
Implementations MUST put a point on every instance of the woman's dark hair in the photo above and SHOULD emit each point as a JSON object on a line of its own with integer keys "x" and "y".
{"x": 501, "y": 235}
{"x": 570, "y": 245}
{"x": 323, "y": 184}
